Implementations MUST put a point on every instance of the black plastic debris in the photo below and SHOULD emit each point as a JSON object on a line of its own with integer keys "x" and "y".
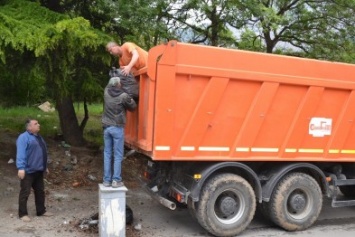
{"x": 92, "y": 222}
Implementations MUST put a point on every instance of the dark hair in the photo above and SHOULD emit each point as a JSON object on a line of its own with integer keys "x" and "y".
{"x": 27, "y": 122}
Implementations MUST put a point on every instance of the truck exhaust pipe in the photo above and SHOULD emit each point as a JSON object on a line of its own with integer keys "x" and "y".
{"x": 166, "y": 203}
{"x": 163, "y": 201}
{"x": 153, "y": 192}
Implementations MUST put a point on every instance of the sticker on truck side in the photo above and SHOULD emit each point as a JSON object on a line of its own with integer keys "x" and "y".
{"x": 320, "y": 127}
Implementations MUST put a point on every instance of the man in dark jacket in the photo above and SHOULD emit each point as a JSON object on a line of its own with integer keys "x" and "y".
{"x": 31, "y": 162}
{"x": 116, "y": 103}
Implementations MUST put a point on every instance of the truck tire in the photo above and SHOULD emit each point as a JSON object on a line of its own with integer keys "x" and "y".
{"x": 296, "y": 202}
{"x": 227, "y": 205}
{"x": 348, "y": 191}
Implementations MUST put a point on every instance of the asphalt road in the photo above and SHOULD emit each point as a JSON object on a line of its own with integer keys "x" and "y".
{"x": 156, "y": 220}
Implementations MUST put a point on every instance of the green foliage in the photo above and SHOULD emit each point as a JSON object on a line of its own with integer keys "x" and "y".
{"x": 204, "y": 21}
{"x": 21, "y": 81}
{"x": 13, "y": 119}
{"x": 51, "y": 49}
{"x": 59, "y": 50}
{"x": 249, "y": 40}
{"x": 26, "y": 27}
{"x": 139, "y": 21}
{"x": 317, "y": 29}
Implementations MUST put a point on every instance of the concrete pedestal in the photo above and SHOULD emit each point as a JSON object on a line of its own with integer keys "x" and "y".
{"x": 112, "y": 211}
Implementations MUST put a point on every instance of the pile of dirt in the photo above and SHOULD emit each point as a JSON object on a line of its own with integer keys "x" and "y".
{"x": 83, "y": 166}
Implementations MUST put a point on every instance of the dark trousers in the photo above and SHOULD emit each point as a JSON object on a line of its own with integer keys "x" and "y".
{"x": 35, "y": 181}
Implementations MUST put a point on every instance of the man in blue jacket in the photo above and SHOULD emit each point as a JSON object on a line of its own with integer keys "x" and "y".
{"x": 31, "y": 162}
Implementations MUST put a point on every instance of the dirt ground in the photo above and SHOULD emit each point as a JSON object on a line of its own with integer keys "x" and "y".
{"x": 71, "y": 191}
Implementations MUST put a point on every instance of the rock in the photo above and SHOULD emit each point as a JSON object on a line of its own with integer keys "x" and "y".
{"x": 93, "y": 222}
{"x": 138, "y": 226}
{"x": 74, "y": 160}
{"x": 46, "y": 107}
{"x": 76, "y": 184}
{"x": 59, "y": 196}
{"x": 92, "y": 178}
{"x": 68, "y": 167}
{"x": 11, "y": 161}
{"x": 10, "y": 189}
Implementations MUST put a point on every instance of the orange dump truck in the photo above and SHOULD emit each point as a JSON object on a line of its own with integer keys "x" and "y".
{"x": 230, "y": 131}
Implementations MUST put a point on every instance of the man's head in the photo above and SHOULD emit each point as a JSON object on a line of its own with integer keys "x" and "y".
{"x": 115, "y": 82}
{"x": 32, "y": 126}
{"x": 113, "y": 48}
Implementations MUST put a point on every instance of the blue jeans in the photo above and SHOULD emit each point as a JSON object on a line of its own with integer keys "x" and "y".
{"x": 114, "y": 143}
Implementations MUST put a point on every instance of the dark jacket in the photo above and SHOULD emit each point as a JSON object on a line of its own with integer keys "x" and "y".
{"x": 128, "y": 82}
{"x": 116, "y": 103}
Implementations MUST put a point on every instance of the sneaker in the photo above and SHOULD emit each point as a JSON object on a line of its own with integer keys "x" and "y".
{"x": 117, "y": 184}
{"x": 106, "y": 184}
{"x": 48, "y": 214}
{"x": 25, "y": 219}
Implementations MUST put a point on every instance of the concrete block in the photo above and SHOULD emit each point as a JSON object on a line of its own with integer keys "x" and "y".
{"x": 112, "y": 211}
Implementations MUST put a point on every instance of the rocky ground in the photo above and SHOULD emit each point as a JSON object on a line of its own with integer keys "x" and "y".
{"x": 71, "y": 191}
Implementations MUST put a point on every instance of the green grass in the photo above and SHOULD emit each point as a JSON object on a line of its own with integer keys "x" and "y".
{"x": 13, "y": 120}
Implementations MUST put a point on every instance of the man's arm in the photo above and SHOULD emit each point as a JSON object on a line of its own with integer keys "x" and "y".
{"x": 127, "y": 69}
{"x": 21, "y": 156}
{"x": 129, "y": 103}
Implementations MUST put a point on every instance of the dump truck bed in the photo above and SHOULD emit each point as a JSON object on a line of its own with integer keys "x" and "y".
{"x": 215, "y": 104}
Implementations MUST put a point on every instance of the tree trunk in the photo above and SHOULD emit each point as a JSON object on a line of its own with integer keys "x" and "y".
{"x": 72, "y": 133}
{"x": 86, "y": 116}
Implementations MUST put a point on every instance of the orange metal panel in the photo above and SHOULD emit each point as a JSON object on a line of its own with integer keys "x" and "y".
{"x": 208, "y": 103}
{"x": 256, "y": 115}
{"x": 165, "y": 113}
{"x": 343, "y": 126}
{"x": 309, "y": 101}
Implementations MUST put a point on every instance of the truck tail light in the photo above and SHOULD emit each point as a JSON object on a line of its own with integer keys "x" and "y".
{"x": 179, "y": 197}
{"x": 146, "y": 175}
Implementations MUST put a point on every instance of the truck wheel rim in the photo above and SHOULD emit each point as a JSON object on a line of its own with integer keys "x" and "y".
{"x": 229, "y": 206}
{"x": 299, "y": 204}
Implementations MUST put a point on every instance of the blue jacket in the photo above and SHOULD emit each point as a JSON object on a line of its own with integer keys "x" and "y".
{"x": 30, "y": 156}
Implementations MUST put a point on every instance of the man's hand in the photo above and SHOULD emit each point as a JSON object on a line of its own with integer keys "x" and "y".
{"x": 128, "y": 99}
{"x": 21, "y": 174}
{"x": 125, "y": 70}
